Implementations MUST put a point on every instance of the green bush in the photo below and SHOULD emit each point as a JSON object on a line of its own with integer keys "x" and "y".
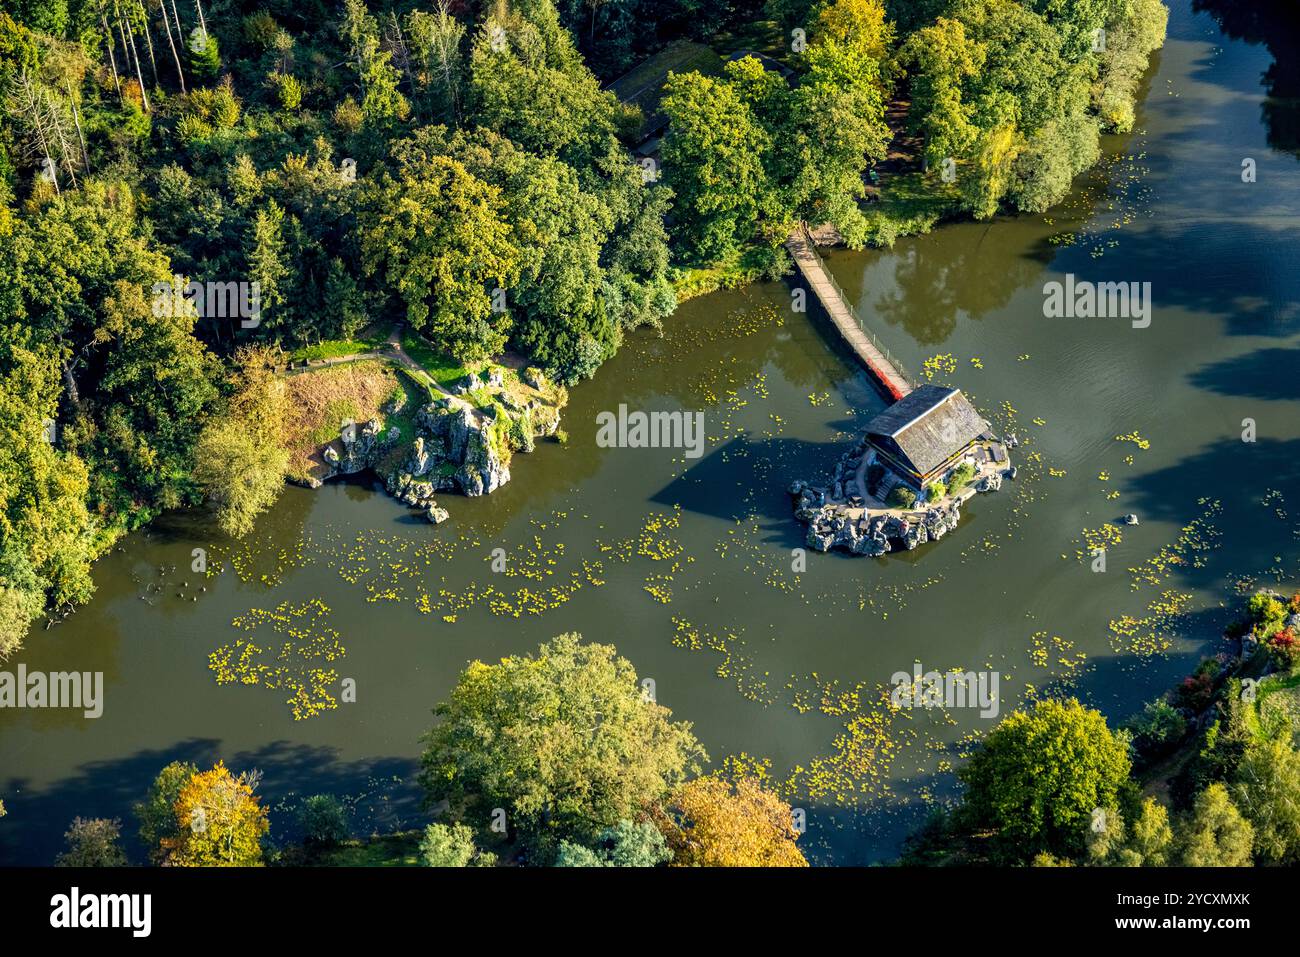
{"x": 961, "y": 477}
{"x": 935, "y": 491}
{"x": 901, "y": 497}
{"x": 323, "y": 820}
{"x": 1157, "y": 729}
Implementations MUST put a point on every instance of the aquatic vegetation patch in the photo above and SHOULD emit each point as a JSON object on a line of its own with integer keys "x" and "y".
{"x": 300, "y": 663}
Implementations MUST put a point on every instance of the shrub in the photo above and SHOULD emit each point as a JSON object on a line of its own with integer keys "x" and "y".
{"x": 901, "y": 497}
{"x": 961, "y": 477}
{"x": 935, "y": 491}
{"x": 260, "y": 29}
{"x": 1196, "y": 692}
{"x": 92, "y": 842}
{"x": 452, "y": 845}
{"x": 323, "y": 820}
{"x": 287, "y": 90}
{"x": 1157, "y": 729}
{"x": 1284, "y": 649}
{"x": 1267, "y": 614}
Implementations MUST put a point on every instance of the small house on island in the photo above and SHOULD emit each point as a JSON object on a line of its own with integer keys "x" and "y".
{"x": 925, "y": 433}
{"x": 904, "y": 481}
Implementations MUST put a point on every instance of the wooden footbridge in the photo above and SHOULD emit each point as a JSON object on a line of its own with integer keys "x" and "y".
{"x": 883, "y": 367}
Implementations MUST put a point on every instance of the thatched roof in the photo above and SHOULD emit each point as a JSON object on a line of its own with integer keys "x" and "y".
{"x": 926, "y": 427}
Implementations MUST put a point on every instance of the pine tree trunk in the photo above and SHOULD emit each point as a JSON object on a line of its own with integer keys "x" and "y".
{"x": 76, "y": 118}
{"x": 148, "y": 39}
{"x": 112, "y": 61}
{"x": 162, "y": 8}
{"x": 128, "y": 42}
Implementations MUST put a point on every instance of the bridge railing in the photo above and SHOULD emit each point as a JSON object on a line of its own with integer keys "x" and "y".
{"x": 848, "y": 304}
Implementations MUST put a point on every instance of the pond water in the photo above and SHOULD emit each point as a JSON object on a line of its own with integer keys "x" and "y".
{"x": 686, "y": 565}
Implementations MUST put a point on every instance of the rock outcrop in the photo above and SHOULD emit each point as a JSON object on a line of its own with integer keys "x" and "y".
{"x": 836, "y": 516}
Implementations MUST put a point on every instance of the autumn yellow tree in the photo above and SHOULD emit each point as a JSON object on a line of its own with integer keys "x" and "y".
{"x": 241, "y": 460}
{"x": 710, "y": 822}
{"x": 221, "y": 822}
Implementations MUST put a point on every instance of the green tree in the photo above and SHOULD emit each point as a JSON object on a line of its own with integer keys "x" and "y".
{"x": 157, "y": 812}
{"x": 713, "y": 161}
{"x": 1151, "y": 838}
{"x": 941, "y": 58}
{"x": 528, "y": 83}
{"x": 840, "y": 104}
{"x": 558, "y": 230}
{"x": 440, "y": 239}
{"x": 46, "y": 534}
{"x": 1267, "y": 790}
{"x": 627, "y": 844}
{"x": 1217, "y": 835}
{"x": 1040, "y": 774}
{"x": 323, "y": 820}
{"x": 381, "y": 102}
{"x": 241, "y": 460}
{"x": 1134, "y": 33}
{"x": 565, "y": 741}
{"x": 268, "y": 266}
{"x": 92, "y": 842}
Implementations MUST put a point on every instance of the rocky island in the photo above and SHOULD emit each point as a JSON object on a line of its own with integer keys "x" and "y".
{"x": 904, "y": 482}
{"x": 422, "y": 438}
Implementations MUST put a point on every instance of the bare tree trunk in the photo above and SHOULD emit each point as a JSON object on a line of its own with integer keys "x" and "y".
{"x": 203, "y": 24}
{"x": 180, "y": 35}
{"x": 73, "y": 395}
{"x": 25, "y": 103}
{"x": 162, "y": 7}
{"x": 399, "y": 44}
{"x": 112, "y": 61}
{"x": 76, "y": 118}
{"x": 128, "y": 41}
{"x": 148, "y": 39}
{"x": 66, "y": 157}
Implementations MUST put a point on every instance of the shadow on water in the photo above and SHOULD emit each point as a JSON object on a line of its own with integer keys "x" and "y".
{"x": 1276, "y": 25}
{"x": 388, "y": 798}
{"x": 1263, "y": 374}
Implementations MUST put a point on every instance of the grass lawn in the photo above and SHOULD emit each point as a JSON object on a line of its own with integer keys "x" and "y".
{"x": 368, "y": 340}
{"x": 319, "y": 400}
{"x": 389, "y": 850}
{"x": 443, "y": 368}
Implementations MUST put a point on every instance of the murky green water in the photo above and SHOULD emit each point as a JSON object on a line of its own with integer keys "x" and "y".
{"x": 686, "y": 565}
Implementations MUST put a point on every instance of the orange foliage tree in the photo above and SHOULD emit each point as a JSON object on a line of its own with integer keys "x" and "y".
{"x": 709, "y": 822}
{"x": 221, "y": 822}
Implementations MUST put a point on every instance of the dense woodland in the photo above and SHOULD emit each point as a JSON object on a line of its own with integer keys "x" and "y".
{"x": 457, "y": 166}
